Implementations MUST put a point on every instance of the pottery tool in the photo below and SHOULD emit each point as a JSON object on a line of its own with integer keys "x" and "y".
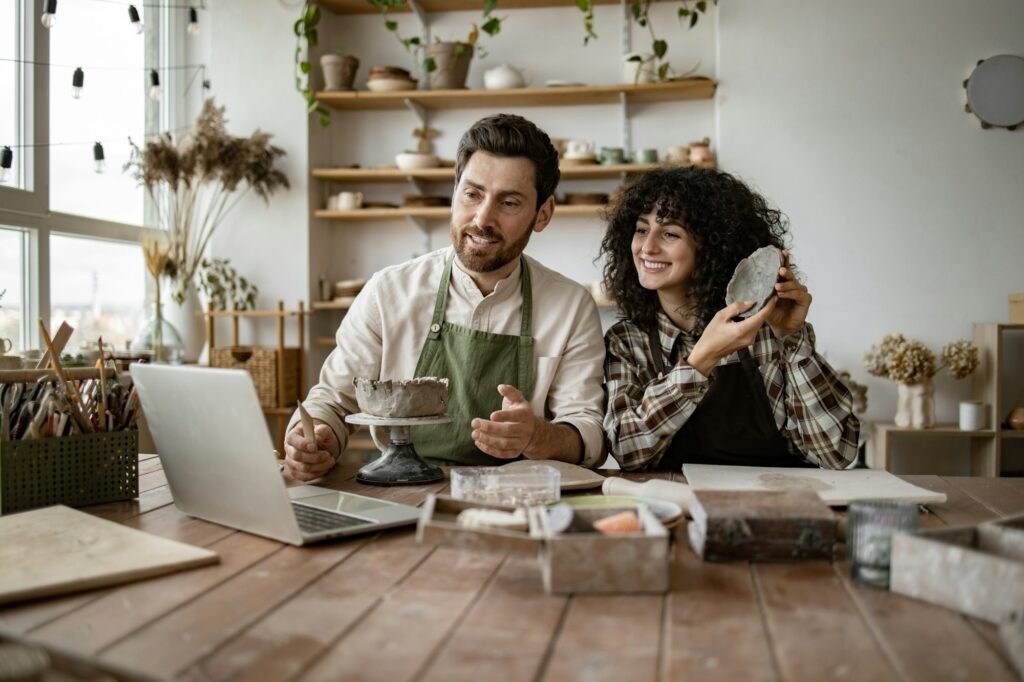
{"x": 103, "y": 388}
{"x": 760, "y": 525}
{"x": 656, "y": 489}
{"x": 72, "y": 395}
{"x": 308, "y": 428}
{"x": 59, "y": 340}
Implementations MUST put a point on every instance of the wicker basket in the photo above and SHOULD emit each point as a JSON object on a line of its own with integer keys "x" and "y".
{"x": 77, "y": 470}
{"x": 262, "y": 364}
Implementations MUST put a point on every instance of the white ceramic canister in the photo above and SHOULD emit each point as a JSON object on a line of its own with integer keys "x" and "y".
{"x": 972, "y": 415}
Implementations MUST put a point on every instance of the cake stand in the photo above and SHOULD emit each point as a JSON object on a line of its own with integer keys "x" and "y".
{"x": 399, "y": 464}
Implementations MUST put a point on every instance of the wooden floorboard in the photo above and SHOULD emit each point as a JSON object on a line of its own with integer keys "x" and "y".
{"x": 397, "y": 639}
{"x": 152, "y": 480}
{"x": 714, "y": 626}
{"x": 816, "y": 631}
{"x": 506, "y": 634}
{"x": 203, "y": 625}
{"x": 280, "y": 645}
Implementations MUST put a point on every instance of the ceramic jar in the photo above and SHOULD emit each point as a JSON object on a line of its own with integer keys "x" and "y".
{"x": 1015, "y": 420}
{"x": 700, "y": 152}
{"x": 339, "y": 71}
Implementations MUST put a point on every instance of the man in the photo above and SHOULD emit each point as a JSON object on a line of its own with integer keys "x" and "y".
{"x": 520, "y": 344}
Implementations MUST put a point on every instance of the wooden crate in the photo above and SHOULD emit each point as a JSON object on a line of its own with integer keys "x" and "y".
{"x": 977, "y": 570}
{"x": 570, "y": 563}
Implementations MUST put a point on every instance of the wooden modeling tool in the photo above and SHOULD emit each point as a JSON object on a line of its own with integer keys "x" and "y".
{"x": 308, "y": 428}
{"x": 72, "y": 395}
{"x": 59, "y": 340}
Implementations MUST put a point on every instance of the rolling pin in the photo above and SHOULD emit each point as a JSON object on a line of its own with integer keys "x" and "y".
{"x": 680, "y": 493}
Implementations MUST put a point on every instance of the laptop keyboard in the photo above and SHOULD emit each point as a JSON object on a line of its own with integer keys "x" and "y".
{"x": 317, "y": 520}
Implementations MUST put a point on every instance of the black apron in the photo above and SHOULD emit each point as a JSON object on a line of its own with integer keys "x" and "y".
{"x": 733, "y": 423}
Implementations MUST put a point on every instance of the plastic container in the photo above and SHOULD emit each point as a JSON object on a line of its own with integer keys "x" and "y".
{"x": 528, "y": 486}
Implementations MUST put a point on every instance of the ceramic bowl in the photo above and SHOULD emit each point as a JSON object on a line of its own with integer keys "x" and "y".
{"x": 422, "y": 397}
{"x": 412, "y": 161}
{"x": 390, "y": 84}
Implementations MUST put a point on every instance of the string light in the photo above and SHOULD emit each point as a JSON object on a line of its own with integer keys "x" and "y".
{"x": 6, "y": 161}
{"x": 193, "y": 21}
{"x": 49, "y": 14}
{"x": 100, "y": 164}
{"x": 133, "y": 15}
{"x": 77, "y": 81}
{"x": 154, "y": 84}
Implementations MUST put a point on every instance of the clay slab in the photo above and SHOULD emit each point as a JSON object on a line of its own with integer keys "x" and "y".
{"x": 754, "y": 279}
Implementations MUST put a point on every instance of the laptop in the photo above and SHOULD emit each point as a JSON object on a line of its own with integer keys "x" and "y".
{"x": 216, "y": 451}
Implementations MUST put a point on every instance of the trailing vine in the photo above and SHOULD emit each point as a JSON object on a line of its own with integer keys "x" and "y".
{"x": 305, "y": 29}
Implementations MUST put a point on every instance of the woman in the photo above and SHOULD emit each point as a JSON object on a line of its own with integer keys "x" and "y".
{"x": 689, "y": 382}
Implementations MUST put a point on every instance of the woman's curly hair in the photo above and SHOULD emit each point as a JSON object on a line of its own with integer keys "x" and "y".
{"x": 727, "y": 220}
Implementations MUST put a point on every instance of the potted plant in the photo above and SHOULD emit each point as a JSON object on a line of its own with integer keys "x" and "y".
{"x": 446, "y": 63}
{"x": 688, "y": 12}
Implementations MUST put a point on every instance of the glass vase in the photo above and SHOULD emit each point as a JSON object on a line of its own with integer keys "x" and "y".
{"x": 159, "y": 338}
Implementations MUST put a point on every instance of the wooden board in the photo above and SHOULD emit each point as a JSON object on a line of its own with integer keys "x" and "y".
{"x": 573, "y": 477}
{"x": 780, "y": 525}
{"x": 836, "y": 488}
{"x": 56, "y": 550}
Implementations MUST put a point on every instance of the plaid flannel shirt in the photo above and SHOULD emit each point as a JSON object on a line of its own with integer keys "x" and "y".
{"x": 813, "y": 408}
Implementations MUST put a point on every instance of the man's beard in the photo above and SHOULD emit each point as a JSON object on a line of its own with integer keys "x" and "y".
{"x": 476, "y": 261}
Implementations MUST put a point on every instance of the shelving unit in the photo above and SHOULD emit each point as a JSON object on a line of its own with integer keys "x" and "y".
{"x": 363, "y": 7}
{"x": 435, "y": 212}
{"x": 986, "y": 445}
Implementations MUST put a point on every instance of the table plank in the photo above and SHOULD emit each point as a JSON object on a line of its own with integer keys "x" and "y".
{"x": 815, "y": 630}
{"x": 507, "y": 634}
{"x": 201, "y": 626}
{"x": 287, "y": 640}
{"x": 997, "y": 494}
{"x": 959, "y": 508}
{"x": 152, "y": 480}
{"x": 608, "y": 637}
{"x": 714, "y": 627}
{"x": 398, "y": 638}
{"x": 927, "y": 642}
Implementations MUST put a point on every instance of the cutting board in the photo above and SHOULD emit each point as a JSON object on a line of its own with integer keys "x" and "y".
{"x": 55, "y": 550}
{"x": 835, "y": 488}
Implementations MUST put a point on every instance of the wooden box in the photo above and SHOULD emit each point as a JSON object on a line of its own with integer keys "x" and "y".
{"x": 977, "y": 570}
{"x": 570, "y": 563}
{"x": 1016, "y": 308}
{"x": 761, "y": 525}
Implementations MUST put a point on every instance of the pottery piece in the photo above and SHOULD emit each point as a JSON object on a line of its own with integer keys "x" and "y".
{"x": 349, "y": 201}
{"x": 678, "y": 154}
{"x": 700, "y": 152}
{"x": 638, "y": 68}
{"x": 415, "y": 161}
{"x": 754, "y": 279}
{"x": 452, "y": 60}
{"x": 1015, "y": 420}
{"x": 422, "y": 397}
{"x": 579, "y": 149}
{"x": 503, "y": 77}
{"x": 612, "y": 155}
{"x": 339, "y": 71}
{"x": 390, "y": 84}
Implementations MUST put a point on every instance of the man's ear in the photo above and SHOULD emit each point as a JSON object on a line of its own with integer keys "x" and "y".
{"x": 544, "y": 214}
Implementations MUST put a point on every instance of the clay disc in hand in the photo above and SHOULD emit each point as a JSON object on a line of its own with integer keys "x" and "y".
{"x": 754, "y": 279}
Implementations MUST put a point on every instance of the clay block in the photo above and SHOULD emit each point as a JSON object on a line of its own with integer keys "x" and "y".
{"x": 423, "y": 397}
{"x": 761, "y": 525}
{"x": 959, "y": 567}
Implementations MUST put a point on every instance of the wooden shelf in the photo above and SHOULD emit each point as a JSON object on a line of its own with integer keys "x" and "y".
{"x": 343, "y": 303}
{"x": 325, "y": 341}
{"x": 363, "y": 7}
{"x": 575, "y": 95}
{"x": 594, "y": 171}
{"x": 1011, "y": 434}
{"x": 435, "y": 213}
{"x": 948, "y": 430}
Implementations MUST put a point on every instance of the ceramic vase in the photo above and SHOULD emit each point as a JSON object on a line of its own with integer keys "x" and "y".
{"x": 339, "y": 71}
{"x": 915, "y": 405}
{"x": 452, "y": 60}
{"x": 184, "y": 317}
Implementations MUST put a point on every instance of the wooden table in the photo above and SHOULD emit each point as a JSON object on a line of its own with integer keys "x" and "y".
{"x": 384, "y": 608}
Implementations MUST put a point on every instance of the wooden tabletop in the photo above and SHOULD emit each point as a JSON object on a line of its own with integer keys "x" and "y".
{"x": 384, "y": 608}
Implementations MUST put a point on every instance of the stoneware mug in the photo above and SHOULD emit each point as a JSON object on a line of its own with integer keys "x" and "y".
{"x": 8, "y": 361}
{"x": 648, "y": 155}
{"x": 579, "y": 148}
{"x": 349, "y": 201}
{"x": 612, "y": 155}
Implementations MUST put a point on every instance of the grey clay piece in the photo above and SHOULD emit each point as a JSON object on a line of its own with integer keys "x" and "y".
{"x": 754, "y": 279}
{"x": 422, "y": 397}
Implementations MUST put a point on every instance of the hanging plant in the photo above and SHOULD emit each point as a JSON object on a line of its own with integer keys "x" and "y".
{"x": 305, "y": 31}
{"x": 689, "y": 13}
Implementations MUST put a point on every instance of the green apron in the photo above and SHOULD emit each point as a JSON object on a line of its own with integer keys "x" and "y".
{"x": 474, "y": 362}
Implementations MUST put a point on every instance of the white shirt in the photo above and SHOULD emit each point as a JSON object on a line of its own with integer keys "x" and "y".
{"x": 383, "y": 332}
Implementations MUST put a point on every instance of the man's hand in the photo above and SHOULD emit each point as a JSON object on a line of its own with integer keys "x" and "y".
{"x": 723, "y": 336}
{"x": 794, "y": 302}
{"x": 306, "y": 459}
{"x": 507, "y": 434}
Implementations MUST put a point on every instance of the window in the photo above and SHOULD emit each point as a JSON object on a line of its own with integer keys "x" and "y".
{"x": 12, "y": 285}
{"x": 98, "y": 287}
{"x": 11, "y": 103}
{"x": 98, "y": 37}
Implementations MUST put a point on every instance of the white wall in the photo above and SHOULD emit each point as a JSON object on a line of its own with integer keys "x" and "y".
{"x": 906, "y": 215}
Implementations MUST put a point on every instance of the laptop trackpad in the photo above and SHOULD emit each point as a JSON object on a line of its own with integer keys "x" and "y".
{"x": 345, "y": 504}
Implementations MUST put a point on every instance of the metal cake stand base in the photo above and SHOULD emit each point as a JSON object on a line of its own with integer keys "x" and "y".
{"x": 399, "y": 464}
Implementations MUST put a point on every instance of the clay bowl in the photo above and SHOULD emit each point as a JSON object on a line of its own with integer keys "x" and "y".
{"x": 423, "y": 397}
{"x": 754, "y": 279}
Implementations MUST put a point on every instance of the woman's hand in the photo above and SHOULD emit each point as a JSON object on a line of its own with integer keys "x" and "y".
{"x": 794, "y": 302}
{"x": 723, "y": 336}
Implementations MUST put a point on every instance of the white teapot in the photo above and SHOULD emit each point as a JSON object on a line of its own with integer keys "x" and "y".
{"x": 503, "y": 77}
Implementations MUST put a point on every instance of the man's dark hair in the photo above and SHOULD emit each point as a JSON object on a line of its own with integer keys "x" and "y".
{"x": 511, "y": 135}
{"x": 727, "y": 220}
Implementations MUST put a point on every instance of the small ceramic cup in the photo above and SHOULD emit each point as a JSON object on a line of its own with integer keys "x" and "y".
{"x": 332, "y": 202}
{"x": 349, "y": 201}
{"x": 678, "y": 154}
{"x": 612, "y": 155}
{"x": 972, "y": 415}
{"x": 649, "y": 155}
{"x": 579, "y": 148}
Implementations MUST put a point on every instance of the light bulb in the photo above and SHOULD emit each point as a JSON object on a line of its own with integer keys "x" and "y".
{"x": 6, "y": 161}
{"x": 154, "y": 84}
{"x": 133, "y": 15}
{"x": 99, "y": 164}
{"x": 77, "y": 81}
{"x": 193, "y": 21}
{"x": 50, "y": 13}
